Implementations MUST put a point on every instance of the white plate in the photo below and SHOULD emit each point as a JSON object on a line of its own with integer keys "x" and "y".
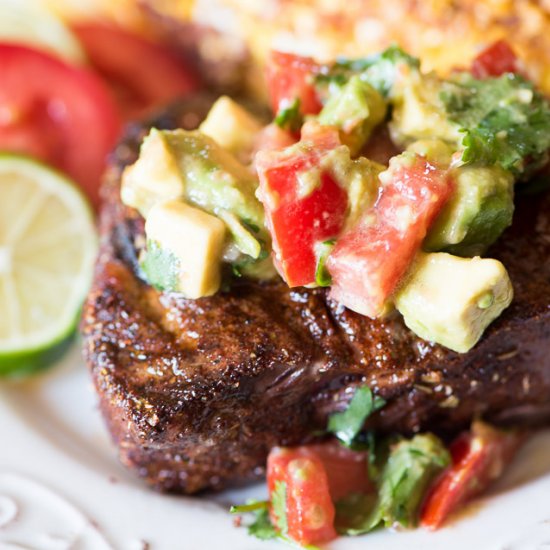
{"x": 62, "y": 488}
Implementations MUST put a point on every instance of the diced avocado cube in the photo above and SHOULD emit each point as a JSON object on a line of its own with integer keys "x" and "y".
{"x": 194, "y": 168}
{"x": 479, "y": 210}
{"x": 355, "y": 109}
{"x": 418, "y": 112}
{"x": 154, "y": 177}
{"x": 452, "y": 300}
{"x": 411, "y": 467}
{"x": 184, "y": 249}
{"x": 358, "y": 176}
{"x": 434, "y": 150}
{"x": 231, "y": 126}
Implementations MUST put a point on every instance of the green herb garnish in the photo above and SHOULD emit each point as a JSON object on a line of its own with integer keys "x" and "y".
{"x": 504, "y": 120}
{"x": 261, "y": 527}
{"x": 161, "y": 267}
{"x": 347, "y": 424}
{"x": 378, "y": 70}
{"x": 289, "y": 117}
{"x": 411, "y": 467}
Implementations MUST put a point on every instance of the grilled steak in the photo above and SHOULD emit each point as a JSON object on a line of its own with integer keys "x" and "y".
{"x": 195, "y": 392}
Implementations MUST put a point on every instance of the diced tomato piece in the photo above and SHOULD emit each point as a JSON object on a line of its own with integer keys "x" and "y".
{"x": 304, "y": 205}
{"x": 323, "y": 136}
{"x": 369, "y": 261}
{"x": 273, "y": 138}
{"x": 479, "y": 457}
{"x": 309, "y": 509}
{"x": 347, "y": 470}
{"x": 495, "y": 60}
{"x": 291, "y": 77}
{"x": 61, "y": 114}
{"x": 142, "y": 74}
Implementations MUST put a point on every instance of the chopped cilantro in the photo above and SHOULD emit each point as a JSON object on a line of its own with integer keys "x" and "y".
{"x": 410, "y": 468}
{"x": 289, "y": 117}
{"x": 161, "y": 267}
{"x": 378, "y": 70}
{"x": 347, "y": 424}
{"x": 322, "y": 276}
{"x": 504, "y": 120}
{"x": 261, "y": 527}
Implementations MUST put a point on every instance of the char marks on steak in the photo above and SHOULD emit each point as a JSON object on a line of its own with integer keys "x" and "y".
{"x": 196, "y": 392}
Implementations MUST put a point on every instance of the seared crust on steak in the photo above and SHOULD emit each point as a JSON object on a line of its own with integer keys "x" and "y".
{"x": 196, "y": 392}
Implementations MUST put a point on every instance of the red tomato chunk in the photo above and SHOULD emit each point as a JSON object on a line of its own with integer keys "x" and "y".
{"x": 479, "y": 457}
{"x": 299, "y": 216}
{"x": 495, "y": 60}
{"x": 347, "y": 470}
{"x": 291, "y": 77}
{"x": 369, "y": 261}
{"x": 315, "y": 476}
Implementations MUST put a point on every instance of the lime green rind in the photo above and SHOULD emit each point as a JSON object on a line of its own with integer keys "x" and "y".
{"x": 25, "y": 363}
{"x": 20, "y": 362}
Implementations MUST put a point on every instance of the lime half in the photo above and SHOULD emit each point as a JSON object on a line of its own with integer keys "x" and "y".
{"x": 48, "y": 246}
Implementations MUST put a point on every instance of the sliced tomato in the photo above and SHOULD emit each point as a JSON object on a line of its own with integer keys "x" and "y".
{"x": 497, "y": 59}
{"x": 143, "y": 74}
{"x": 61, "y": 114}
{"x": 305, "y": 206}
{"x": 479, "y": 457}
{"x": 308, "y": 509}
{"x": 291, "y": 77}
{"x": 369, "y": 260}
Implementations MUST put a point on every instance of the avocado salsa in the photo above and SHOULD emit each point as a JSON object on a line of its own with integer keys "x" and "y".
{"x": 300, "y": 199}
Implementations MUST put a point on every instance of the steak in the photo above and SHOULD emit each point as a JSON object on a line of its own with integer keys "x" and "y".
{"x": 196, "y": 392}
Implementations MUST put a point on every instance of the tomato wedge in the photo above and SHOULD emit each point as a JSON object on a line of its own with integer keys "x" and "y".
{"x": 307, "y": 513}
{"x": 479, "y": 457}
{"x": 497, "y": 59}
{"x": 60, "y": 114}
{"x": 369, "y": 260}
{"x": 143, "y": 74}
{"x": 291, "y": 77}
{"x": 304, "y": 205}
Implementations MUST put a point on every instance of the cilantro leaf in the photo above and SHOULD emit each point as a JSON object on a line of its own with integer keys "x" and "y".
{"x": 378, "y": 70}
{"x": 261, "y": 527}
{"x": 347, "y": 424}
{"x": 289, "y": 117}
{"x": 409, "y": 470}
{"x": 161, "y": 267}
{"x": 504, "y": 120}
